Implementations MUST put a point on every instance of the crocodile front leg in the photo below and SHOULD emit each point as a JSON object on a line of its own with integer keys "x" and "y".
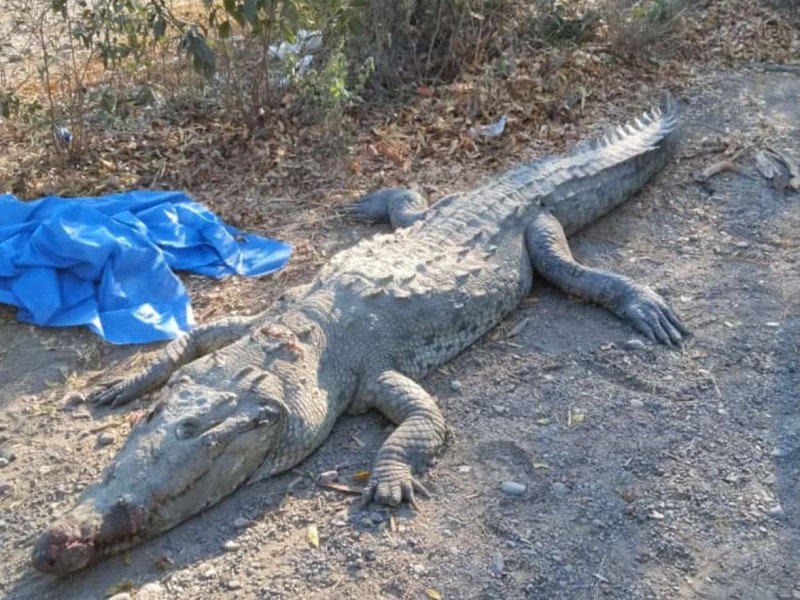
{"x": 399, "y": 206}
{"x": 198, "y": 342}
{"x": 412, "y": 446}
{"x": 638, "y": 304}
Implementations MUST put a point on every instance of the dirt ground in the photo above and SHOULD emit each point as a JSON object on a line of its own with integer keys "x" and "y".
{"x": 649, "y": 473}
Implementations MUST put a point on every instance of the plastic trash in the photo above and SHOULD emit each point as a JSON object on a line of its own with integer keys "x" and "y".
{"x": 495, "y": 129}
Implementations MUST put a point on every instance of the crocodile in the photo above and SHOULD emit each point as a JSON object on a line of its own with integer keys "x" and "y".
{"x": 245, "y": 398}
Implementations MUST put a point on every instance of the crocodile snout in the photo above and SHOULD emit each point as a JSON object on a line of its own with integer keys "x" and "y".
{"x": 86, "y": 535}
{"x": 62, "y": 549}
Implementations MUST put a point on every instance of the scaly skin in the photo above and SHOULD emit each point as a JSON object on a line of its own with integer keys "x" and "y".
{"x": 244, "y": 399}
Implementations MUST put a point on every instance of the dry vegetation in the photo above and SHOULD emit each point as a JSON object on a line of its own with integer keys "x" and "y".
{"x": 380, "y": 104}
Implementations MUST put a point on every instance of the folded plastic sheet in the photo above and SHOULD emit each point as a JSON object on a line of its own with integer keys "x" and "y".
{"x": 108, "y": 262}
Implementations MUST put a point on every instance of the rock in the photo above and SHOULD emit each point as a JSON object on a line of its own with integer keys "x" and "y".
{"x": 230, "y": 546}
{"x": 560, "y": 489}
{"x": 456, "y": 385}
{"x": 209, "y": 573}
{"x": 777, "y": 512}
{"x": 637, "y": 403}
{"x": 121, "y": 596}
{"x": 327, "y": 477}
{"x": 498, "y": 564}
{"x": 634, "y": 344}
{"x": 151, "y": 591}
{"x": 512, "y": 488}
{"x": 657, "y": 516}
{"x": 233, "y": 584}
{"x": 3, "y": 462}
{"x": 106, "y": 438}
{"x": 418, "y": 569}
{"x": 241, "y": 523}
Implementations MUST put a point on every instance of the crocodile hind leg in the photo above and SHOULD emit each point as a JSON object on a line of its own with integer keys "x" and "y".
{"x": 638, "y": 304}
{"x": 198, "y": 342}
{"x": 412, "y": 445}
{"x": 399, "y": 206}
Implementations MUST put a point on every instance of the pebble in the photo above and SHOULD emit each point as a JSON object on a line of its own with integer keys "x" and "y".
{"x": 634, "y": 344}
{"x": 209, "y": 573}
{"x": 560, "y": 489}
{"x": 230, "y": 546}
{"x": 121, "y": 596}
{"x": 657, "y": 516}
{"x": 456, "y": 385}
{"x": 151, "y": 591}
{"x": 234, "y": 584}
{"x": 777, "y": 512}
{"x": 498, "y": 564}
{"x": 512, "y": 488}
{"x": 637, "y": 403}
{"x": 418, "y": 569}
{"x": 106, "y": 438}
{"x": 327, "y": 477}
{"x": 3, "y": 462}
{"x": 241, "y": 523}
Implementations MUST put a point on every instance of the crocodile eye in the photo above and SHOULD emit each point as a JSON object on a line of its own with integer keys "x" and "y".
{"x": 187, "y": 428}
{"x": 267, "y": 415}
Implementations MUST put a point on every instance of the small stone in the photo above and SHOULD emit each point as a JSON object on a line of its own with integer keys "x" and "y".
{"x": 464, "y": 469}
{"x": 209, "y": 573}
{"x": 560, "y": 489}
{"x": 456, "y": 385}
{"x": 498, "y": 564}
{"x": 634, "y": 344}
{"x": 777, "y": 512}
{"x": 241, "y": 523}
{"x": 772, "y": 324}
{"x": 418, "y": 569}
{"x": 230, "y": 546}
{"x": 151, "y": 591}
{"x": 657, "y": 516}
{"x": 106, "y": 438}
{"x": 72, "y": 400}
{"x": 121, "y": 596}
{"x": 512, "y": 488}
{"x": 327, "y": 477}
{"x": 637, "y": 403}
{"x": 233, "y": 584}
{"x": 3, "y": 462}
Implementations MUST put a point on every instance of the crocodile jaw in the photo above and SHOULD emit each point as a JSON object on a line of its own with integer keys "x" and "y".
{"x": 176, "y": 463}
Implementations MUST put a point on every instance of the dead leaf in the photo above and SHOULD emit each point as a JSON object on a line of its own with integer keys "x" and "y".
{"x": 126, "y": 585}
{"x": 361, "y": 476}
{"x": 433, "y": 594}
{"x": 312, "y": 535}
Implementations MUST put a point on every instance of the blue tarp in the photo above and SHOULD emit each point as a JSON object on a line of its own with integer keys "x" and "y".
{"x": 108, "y": 262}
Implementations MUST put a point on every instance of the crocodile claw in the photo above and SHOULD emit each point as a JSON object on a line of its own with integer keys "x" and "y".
{"x": 393, "y": 486}
{"x": 112, "y": 393}
{"x": 652, "y": 316}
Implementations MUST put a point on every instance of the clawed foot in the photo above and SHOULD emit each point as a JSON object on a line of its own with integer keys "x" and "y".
{"x": 112, "y": 393}
{"x": 393, "y": 485}
{"x": 652, "y": 316}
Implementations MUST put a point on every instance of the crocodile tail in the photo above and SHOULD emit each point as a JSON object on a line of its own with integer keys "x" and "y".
{"x": 601, "y": 174}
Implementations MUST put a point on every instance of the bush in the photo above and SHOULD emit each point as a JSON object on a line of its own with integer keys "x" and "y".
{"x": 635, "y": 27}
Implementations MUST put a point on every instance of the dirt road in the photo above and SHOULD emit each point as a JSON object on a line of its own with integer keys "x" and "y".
{"x": 649, "y": 473}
